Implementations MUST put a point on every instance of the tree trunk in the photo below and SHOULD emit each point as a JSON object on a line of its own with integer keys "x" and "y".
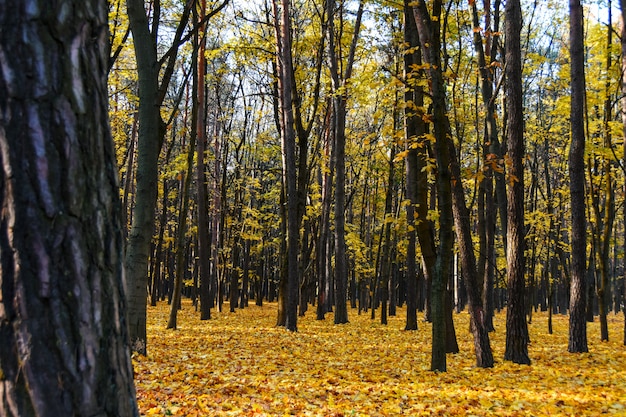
{"x": 288, "y": 140}
{"x": 181, "y": 265}
{"x": 148, "y": 146}
{"x": 622, "y": 5}
{"x": 204, "y": 244}
{"x": 516, "y": 328}
{"x": 64, "y": 339}
{"x": 340, "y": 98}
{"x": 413, "y": 129}
{"x": 429, "y": 34}
{"x": 577, "y": 322}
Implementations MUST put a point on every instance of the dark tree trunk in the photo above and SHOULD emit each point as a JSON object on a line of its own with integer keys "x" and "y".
{"x": 340, "y": 97}
{"x": 622, "y": 5}
{"x": 516, "y": 328}
{"x": 64, "y": 343}
{"x": 148, "y": 146}
{"x": 204, "y": 244}
{"x": 577, "y": 322}
{"x": 288, "y": 139}
{"x": 429, "y": 34}
{"x": 181, "y": 265}
{"x": 482, "y": 346}
{"x": 413, "y": 129}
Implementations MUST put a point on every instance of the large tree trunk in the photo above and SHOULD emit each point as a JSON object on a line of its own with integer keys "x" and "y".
{"x": 577, "y": 322}
{"x": 64, "y": 344}
{"x": 516, "y": 328}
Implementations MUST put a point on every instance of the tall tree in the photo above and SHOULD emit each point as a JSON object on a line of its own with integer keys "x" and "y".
{"x": 282, "y": 9}
{"x": 604, "y": 217}
{"x": 577, "y": 322}
{"x": 516, "y": 328}
{"x": 622, "y": 5}
{"x": 414, "y": 129}
{"x": 64, "y": 344}
{"x": 340, "y": 81}
{"x": 154, "y": 81}
{"x": 203, "y": 222}
{"x": 429, "y": 29}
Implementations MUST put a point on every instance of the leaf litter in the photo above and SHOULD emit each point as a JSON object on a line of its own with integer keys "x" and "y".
{"x": 241, "y": 364}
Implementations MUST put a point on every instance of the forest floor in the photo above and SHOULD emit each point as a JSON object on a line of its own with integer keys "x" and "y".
{"x": 240, "y": 364}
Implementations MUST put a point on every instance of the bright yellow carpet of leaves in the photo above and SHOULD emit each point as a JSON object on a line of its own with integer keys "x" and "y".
{"x": 240, "y": 364}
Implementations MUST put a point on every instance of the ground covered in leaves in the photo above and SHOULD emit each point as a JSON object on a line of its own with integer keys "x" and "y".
{"x": 240, "y": 364}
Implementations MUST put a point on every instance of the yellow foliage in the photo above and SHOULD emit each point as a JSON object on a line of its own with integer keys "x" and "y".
{"x": 241, "y": 364}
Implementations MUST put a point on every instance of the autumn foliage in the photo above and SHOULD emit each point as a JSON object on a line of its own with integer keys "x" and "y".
{"x": 241, "y": 364}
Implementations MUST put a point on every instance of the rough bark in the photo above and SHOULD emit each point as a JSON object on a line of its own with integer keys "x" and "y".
{"x": 516, "y": 328}
{"x": 622, "y": 5}
{"x": 413, "y": 129}
{"x": 148, "y": 146}
{"x": 204, "y": 245}
{"x": 577, "y": 322}
{"x": 288, "y": 143}
{"x": 64, "y": 344}
{"x": 340, "y": 98}
{"x": 429, "y": 34}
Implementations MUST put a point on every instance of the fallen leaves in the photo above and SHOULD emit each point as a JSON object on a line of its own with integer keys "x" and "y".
{"x": 240, "y": 364}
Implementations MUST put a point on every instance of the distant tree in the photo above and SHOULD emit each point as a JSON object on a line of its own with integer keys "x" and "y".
{"x": 577, "y": 322}
{"x": 64, "y": 344}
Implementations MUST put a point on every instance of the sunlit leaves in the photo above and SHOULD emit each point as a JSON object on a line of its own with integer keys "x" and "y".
{"x": 240, "y": 364}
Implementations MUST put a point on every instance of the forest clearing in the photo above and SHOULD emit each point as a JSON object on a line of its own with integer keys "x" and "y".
{"x": 241, "y": 364}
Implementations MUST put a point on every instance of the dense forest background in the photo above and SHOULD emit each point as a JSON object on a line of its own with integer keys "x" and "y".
{"x": 221, "y": 194}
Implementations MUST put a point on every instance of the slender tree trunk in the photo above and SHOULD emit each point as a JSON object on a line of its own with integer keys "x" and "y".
{"x": 181, "y": 265}
{"x": 288, "y": 139}
{"x": 339, "y": 83}
{"x": 577, "y": 322}
{"x": 204, "y": 244}
{"x": 622, "y": 5}
{"x": 603, "y": 249}
{"x": 429, "y": 33}
{"x": 64, "y": 343}
{"x": 148, "y": 146}
{"x": 414, "y": 128}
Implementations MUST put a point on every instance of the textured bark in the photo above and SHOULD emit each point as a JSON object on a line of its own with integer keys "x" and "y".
{"x": 148, "y": 145}
{"x": 516, "y": 328}
{"x": 181, "y": 265}
{"x": 462, "y": 223}
{"x": 622, "y": 4}
{"x": 288, "y": 140}
{"x": 64, "y": 344}
{"x": 413, "y": 129}
{"x": 606, "y": 219}
{"x": 577, "y": 322}
{"x": 340, "y": 98}
{"x": 204, "y": 249}
{"x": 429, "y": 34}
